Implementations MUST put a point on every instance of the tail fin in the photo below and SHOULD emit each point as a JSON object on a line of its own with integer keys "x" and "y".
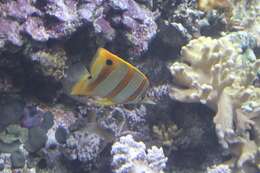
{"x": 75, "y": 80}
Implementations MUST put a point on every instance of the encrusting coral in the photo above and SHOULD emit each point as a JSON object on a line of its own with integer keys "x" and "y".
{"x": 130, "y": 156}
{"x": 51, "y": 62}
{"x": 220, "y": 73}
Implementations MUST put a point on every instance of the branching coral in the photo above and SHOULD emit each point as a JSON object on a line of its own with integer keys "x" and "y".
{"x": 220, "y": 73}
{"x": 130, "y": 156}
{"x": 245, "y": 14}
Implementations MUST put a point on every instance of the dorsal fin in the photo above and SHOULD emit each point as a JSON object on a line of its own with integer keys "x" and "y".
{"x": 101, "y": 56}
{"x": 97, "y": 62}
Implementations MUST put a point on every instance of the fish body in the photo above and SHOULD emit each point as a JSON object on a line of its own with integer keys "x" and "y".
{"x": 111, "y": 80}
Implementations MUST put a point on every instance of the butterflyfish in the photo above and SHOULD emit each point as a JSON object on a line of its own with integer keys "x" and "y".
{"x": 111, "y": 80}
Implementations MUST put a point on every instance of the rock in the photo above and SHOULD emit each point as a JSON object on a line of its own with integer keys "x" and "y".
{"x": 47, "y": 121}
{"x": 12, "y": 138}
{"x": 2, "y": 166}
{"x": 61, "y": 135}
{"x": 174, "y": 34}
{"x": 9, "y": 147}
{"x": 37, "y": 139}
{"x": 9, "y": 33}
{"x": 11, "y": 110}
{"x": 18, "y": 159}
{"x": 34, "y": 27}
{"x": 103, "y": 27}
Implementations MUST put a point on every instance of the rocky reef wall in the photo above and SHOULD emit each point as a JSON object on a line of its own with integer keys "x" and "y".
{"x": 202, "y": 61}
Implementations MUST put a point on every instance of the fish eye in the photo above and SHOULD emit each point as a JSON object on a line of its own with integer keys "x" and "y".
{"x": 109, "y": 62}
{"x": 89, "y": 77}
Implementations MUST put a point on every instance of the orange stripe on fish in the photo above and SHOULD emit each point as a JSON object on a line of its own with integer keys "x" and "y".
{"x": 137, "y": 92}
{"x": 123, "y": 83}
{"x": 102, "y": 76}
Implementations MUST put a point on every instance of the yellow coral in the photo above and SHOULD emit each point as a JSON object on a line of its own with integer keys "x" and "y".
{"x": 51, "y": 62}
{"x": 245, "y": 16}
{"x": 244, "y": 13}
{"x": 166, "y": 133}
{"x": 207, "y": 5}
{"x": 239, "y": 14}
{"x": 214, "y": 72}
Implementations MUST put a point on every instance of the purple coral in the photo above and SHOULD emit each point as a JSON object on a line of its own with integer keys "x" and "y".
{"x": 34, "y": 27}
{"x": 23, "y": 16}
{"x": 140, "y": 23}
{"x": 116, "y": 120}
{"x": 20, "y": 9}
{"x": 103, "y": 27}
{"x": 83, "y": 146}
{"x": 59, "y": 19}
{"x": 130, "y": 156}
{"x": 9, "y": 33}
{"x": 160, "y": 92}
{"x": 64, "y": 10}
{"x": 136, "y": 117}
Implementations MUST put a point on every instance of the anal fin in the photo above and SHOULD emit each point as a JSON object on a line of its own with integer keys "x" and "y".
{"x": 104, "y": 102}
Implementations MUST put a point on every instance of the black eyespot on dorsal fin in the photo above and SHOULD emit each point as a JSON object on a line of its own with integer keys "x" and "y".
{"x": 109, "y": 62}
